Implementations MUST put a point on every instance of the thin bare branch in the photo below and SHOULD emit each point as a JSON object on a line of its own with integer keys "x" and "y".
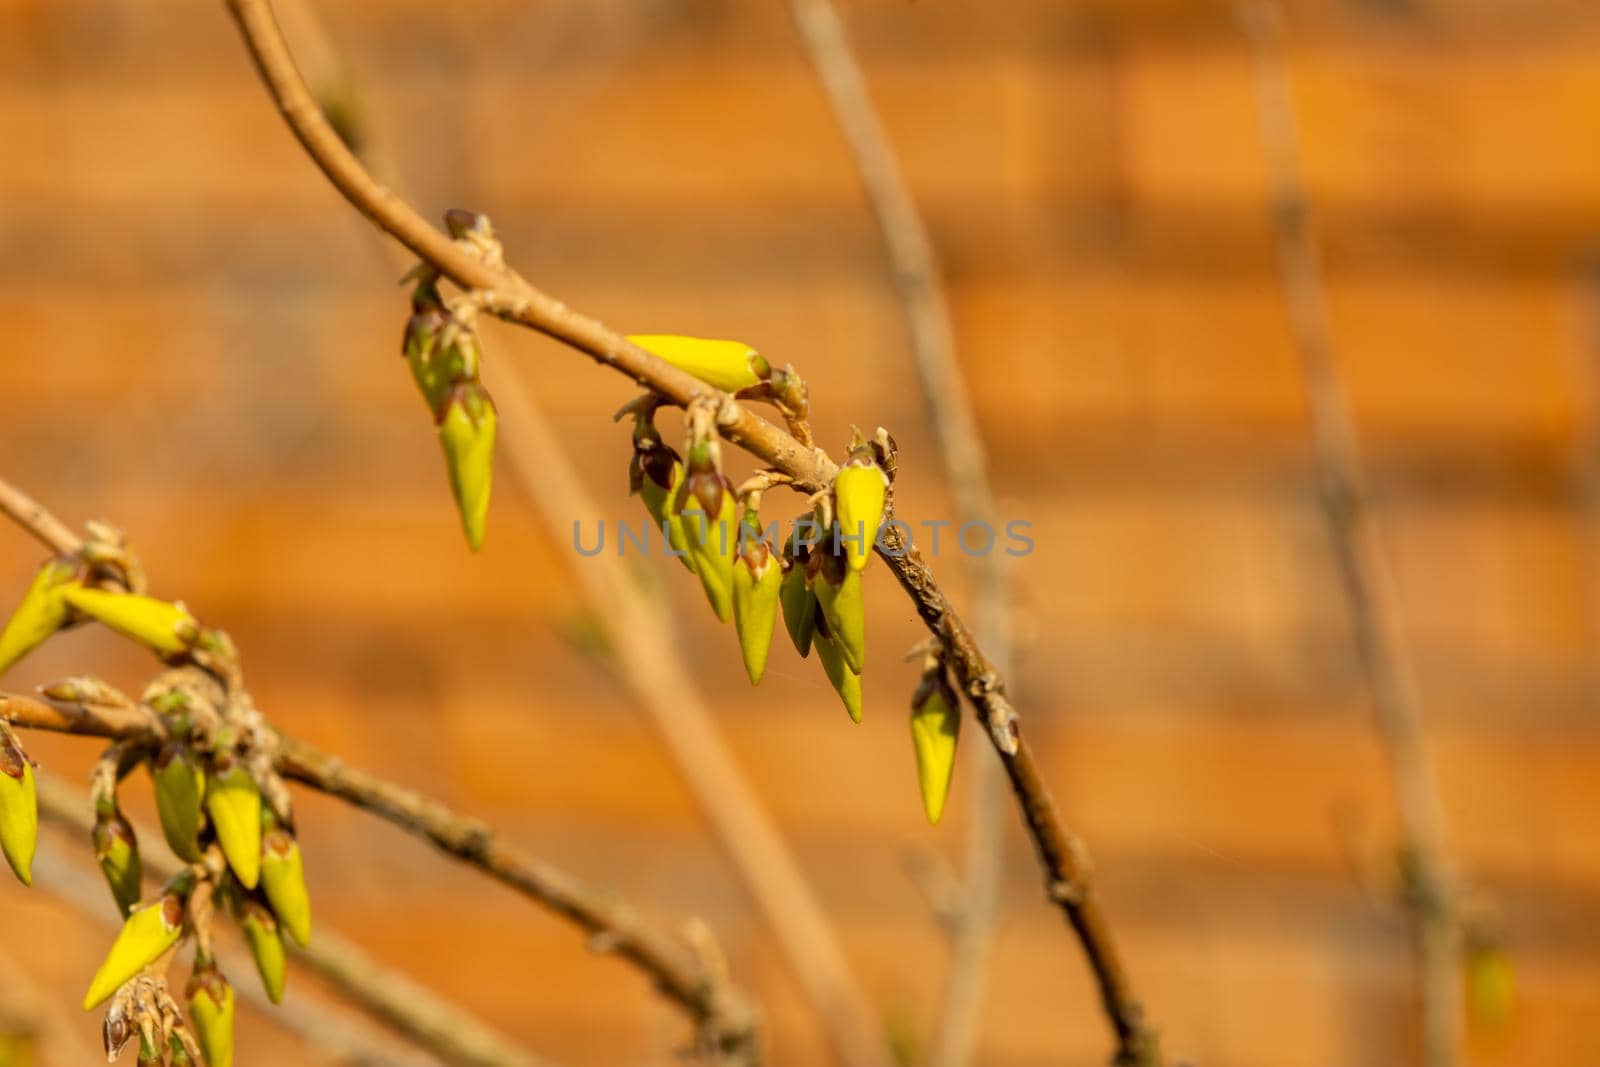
{"x": 723, "y": 1015}
{"x": 1364, "y": 564}
{"x": 914, "y": 268}
{"x": 506, "y": 294}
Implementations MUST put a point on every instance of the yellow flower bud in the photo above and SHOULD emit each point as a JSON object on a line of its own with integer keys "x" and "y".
{"x": 846, "y": 682}
{"x": 859, "y": 490}
{"x": 799, "y": 604}
{"x": 757, "y": 578}
{"x": 19, "y": 807}
{"x": 705, "y": 509}
{"x": 146, "y": 935}
{"x": 283, "y": 879}
{"x": 466, "y": 433}
{"x": 180, "y": 795}
{"x": 211, "y": 1004}
{"x": 656, "y": 473}
{"x": 728, "y": 365}
{"x": 42, "y": 612}
{"x": 166, "y": 629}
{"x": 266, "y": 948}
{"x": 935, "y": 725}
{"x": 233, "y": 800}
{"x": 838, "y": 593}
{"x": 116, "y": 850}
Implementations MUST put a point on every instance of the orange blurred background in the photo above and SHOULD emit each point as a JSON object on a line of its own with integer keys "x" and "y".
{"x": 201, "y": 344}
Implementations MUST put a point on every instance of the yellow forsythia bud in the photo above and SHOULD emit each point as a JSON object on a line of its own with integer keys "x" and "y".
{"x": 799, "y": 604}
{"x": 19, "y": 807}
{"x": 283, "y": 879}
{"x": 838, "y": 592}
{"x": 705, "y": 509}
{"x": 859, "y": 490}
{"x": 266, "y": 947}
{"x": 935, "y": 725}
{"x": 211, "y": 1003}
{"x": 757, "y": 578}
{"x": 148, "y": 933}
{"x": 180, "y": 795}
{"x": 846, "y": 683}
{"x": 116, "y": 850}
{"x": 167, "y": 629}
{"x": 728, "y": 365}
{"x": 466, "y": 433}
{"x": 655, "y": 473}
{"x": 233, "y": 800}
{"x": 42, "y": 612}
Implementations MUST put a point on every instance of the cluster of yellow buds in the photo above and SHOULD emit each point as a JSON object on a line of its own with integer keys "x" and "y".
{"x": 815, "y": 582}
{"x": 221, "y": 806}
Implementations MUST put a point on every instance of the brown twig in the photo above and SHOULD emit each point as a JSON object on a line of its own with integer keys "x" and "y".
{"x": 724, "y": 1017}
{"x": 507, "y": 295}
{"x": 1364, "y": 563}
{"x": 914, "y": 269}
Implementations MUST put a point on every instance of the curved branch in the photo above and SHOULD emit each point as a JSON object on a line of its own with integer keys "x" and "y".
{"x": 507, "y": 295}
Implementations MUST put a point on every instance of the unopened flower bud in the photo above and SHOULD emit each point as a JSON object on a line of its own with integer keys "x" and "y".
{"x": 180, "y": 795}
{"x": 846, "y": 683}
{"x": 146, "y": 935}
{"x": 655, "y": 472}
{"x": 233, "y": 800}
{"x": 283, "y": 879}
{"x": 165, "y": 628}
{"x": 466, "y": 433}
{"x": 704, "y": 506}
{"x": 757, "y": 578}
{"x": 116, "y": 850}
{"x": 728, "y": 365}
{"x": 859, "y": 490}
{"x": 935, "y": 725}
{"x": 19, "y": 807}
{"x": 799, "y": 604}
{"x": 838, "y": 592}
{"x": 42, "y": 612}
{"x": 211, "y": 1007}
{"x": 266, "y": 947}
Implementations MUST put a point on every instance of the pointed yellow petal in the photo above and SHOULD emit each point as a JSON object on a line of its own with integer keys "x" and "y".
{"x": 858, "y": 495}
{"x": 266, "y": 948}
{"x": 283, "y": 878}
{"x": 799, "y": 608}
{"x": 728, "y": 365}
{"x": 167, "y": 629}
{"x": 147, "y": 933}
{"x": 42, "y": 612}
{"x": 755, "y": 612}
{"x": 19, "y": 811}
{"x": 935, "y": 725}
{"x": 180, "y": 794}
{"x": 467, "y": 436}
{"x": 211, "y": 1010}
{"x": 711, "y": 543}
{"x": 844, "y": 608}
{"x": 846, "y": 682}
{"x": 234, "y": 803}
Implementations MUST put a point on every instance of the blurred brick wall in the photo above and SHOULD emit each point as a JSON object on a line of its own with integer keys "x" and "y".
{"x": 200, "y": 341}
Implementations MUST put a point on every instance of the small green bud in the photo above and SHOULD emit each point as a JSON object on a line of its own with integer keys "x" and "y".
{"x": 846, "y": 683}
{"x": 166, "y": 629}
{"x": 838, "y": 592}
{"x": 116, "y": 850}
{"x": 705, "y": 508}
{"x": 799, "y": 604}
{"x": 728, "y": 365}
{"x": 233, "y": 800}
{"x": 935, "y": 725}
{"x": 266, "y": 947}
{"x": 42, "y": 612}
{"x": 283, "y": 879}
{"x": 211, "y": 1003}
{"x": 655, "y": 473}
{"x": 180, "y": 795}
{"x": 757, "y": 578}
{"x": 146, "y": 935}
{"x": 423, "y": 330}
{"x": 19, "y": 807}
{"x": 466, "y": 433}
{"x": 859, "y": 490}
